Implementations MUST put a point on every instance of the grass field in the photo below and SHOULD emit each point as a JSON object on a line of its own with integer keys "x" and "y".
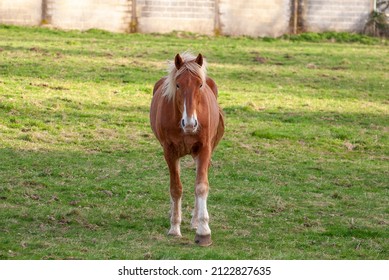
{"x": 302, "y": 172}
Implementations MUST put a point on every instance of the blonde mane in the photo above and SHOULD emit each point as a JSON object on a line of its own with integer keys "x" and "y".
{"x": 169, "y": 85}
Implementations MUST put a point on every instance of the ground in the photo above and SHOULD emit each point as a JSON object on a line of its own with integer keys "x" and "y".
{"x": 302, "y": 172}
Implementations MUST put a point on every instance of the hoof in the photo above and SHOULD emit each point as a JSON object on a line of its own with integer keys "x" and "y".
{"x": 203, "y": 240}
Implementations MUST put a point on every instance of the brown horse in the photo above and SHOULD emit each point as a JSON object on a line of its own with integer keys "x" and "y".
{"x": 187, "y": 120}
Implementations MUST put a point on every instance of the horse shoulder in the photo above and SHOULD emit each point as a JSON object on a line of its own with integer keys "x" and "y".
{"x": 211, "y": 83}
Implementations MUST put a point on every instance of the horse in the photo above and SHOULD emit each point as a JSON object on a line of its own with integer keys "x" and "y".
{"x": 186, "y": 119}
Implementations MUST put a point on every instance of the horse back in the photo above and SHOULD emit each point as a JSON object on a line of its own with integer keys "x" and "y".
{"x": 211, "y": 83}
{"x": 158, "y": 84}
{"x": 220, "y": 129}
{"x": 220, "y": 124}
{"x": 155, "y": 104}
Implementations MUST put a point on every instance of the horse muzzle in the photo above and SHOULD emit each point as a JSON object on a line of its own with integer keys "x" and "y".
{"x": 190, "y": 126}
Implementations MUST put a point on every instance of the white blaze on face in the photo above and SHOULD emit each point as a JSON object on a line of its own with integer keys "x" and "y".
{"x": 189, "y": 123}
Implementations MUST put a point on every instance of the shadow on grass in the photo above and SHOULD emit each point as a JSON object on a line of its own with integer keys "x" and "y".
{"x": 314, "y": 118}
{"x": 318, "y": 85}
{"x": 126, "y": 72}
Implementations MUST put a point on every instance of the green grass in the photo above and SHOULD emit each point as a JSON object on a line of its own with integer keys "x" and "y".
{"x": 302, "y": 172}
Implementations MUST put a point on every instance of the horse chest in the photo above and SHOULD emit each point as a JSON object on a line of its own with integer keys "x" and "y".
{"x": 187, "y": 145}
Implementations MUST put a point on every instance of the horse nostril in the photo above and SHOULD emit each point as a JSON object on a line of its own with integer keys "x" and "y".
{"x": 195, "y": 124}
{"x": 183, "y": 123}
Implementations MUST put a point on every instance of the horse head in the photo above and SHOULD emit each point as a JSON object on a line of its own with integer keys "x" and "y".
{"x": 186, "y": 84}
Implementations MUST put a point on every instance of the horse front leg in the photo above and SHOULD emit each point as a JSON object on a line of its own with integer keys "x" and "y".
{"x": 200, "y": 218}
{"x": 175, "y": 195}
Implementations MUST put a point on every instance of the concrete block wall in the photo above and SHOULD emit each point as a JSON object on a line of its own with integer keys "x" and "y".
{"x": 229, "y": 17}
{"x": 110, "y": 15}
{"x": 172, "y": 15}
{"x": 255, "y": 18}
{"x": 21, "y": 12}
{"x": 336, "y": 15}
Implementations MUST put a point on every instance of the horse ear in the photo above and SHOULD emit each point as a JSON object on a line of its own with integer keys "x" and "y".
{"x": 178, "y": 61}
{"x": 199, "y": 59}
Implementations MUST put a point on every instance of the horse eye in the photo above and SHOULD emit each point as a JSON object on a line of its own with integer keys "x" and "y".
{"x": 177, "y": 86}
{"x": 201, "y": 85}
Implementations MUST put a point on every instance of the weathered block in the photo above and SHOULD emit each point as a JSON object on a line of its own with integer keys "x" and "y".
{"x": 255, "y": 18}
{"x": 335, "y": 15}
{"x": 22, "y": 12}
